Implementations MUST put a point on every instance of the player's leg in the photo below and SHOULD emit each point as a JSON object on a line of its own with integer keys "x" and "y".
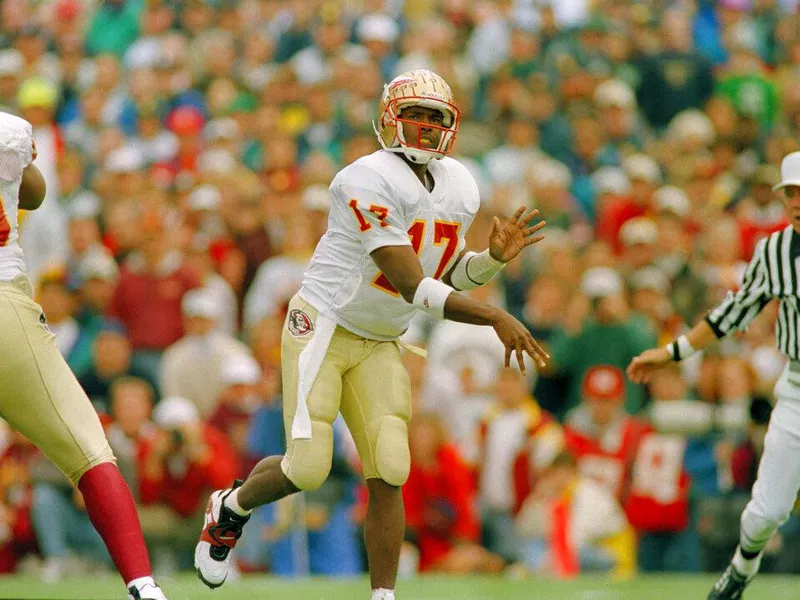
{"x": 774, "y": 496}
{"x": 376, "y": 404}
{"x": 41, "y": 398}
{"x": 305, "y": 465}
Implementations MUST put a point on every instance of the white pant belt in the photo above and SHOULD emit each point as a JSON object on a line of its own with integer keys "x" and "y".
{"x": 309, "y": 363}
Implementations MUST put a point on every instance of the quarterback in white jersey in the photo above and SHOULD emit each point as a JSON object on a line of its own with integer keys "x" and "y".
{"x": 39, "y": 395}
{"x": 389, "y": 206}
{"x": 394, "y": 245}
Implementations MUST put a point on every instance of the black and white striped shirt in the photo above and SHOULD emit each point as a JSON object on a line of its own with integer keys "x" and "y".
{"x": 773, "y": 272}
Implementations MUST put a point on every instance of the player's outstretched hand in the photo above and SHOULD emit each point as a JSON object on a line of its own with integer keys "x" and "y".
{"x": 518, "y": 340}
{"x": 507, "y": 240}
{"x": 643, "y": 366}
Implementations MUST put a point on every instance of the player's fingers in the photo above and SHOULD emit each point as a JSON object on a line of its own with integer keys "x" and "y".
{"x": 534, "y": 228}
{"x": 536, "y": 352}
{"x": 516, "y": 216}
{"x": 531, "y": 216}
{"x": 532, "y": 240}
{"x": 495, "y": 225}
{"x": 508, "y": 357}
{"x": 539, "y": 348}
{"x": 521, "y": 360}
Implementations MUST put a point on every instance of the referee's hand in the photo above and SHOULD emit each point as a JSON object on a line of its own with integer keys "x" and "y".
{"x": 643, "y": 366}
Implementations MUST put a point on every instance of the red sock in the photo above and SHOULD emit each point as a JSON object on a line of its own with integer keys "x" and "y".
{"x": 110, "y": 506}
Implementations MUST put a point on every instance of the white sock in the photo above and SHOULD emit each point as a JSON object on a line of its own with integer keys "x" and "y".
{"x": 232, "y": 502}
{"x": 746, "y": 566}
{"x": 140, "y": 582}
{"x": 382, "y": 594}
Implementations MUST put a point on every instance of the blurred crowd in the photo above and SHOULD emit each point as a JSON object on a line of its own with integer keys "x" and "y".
{"x": 187, "y": 147}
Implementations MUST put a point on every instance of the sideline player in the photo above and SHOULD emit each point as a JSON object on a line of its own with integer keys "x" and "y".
{"x": 394, "y": 245}
{"x": 39, "y": 395}
{"x": 773, "y": 272}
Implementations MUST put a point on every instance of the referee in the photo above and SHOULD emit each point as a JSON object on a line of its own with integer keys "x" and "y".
{"x": 773, "y": 272}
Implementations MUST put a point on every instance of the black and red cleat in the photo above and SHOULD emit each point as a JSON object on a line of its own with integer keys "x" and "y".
{"x": 221, "y": 531}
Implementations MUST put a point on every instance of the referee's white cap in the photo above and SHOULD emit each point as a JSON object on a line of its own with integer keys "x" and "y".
{"x": 790, "y": 171}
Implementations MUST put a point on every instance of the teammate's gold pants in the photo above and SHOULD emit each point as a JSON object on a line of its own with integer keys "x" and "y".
{"x": 365, "y": 380}
{"x": 39, "y": 395}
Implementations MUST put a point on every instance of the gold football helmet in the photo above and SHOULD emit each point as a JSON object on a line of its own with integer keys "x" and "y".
{"x": 419, "y": 87}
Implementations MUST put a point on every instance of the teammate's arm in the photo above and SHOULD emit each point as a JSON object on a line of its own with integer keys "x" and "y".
{"x": 734, "y": 313}
{"x": 33, "y": 188}
{"x": 401, "y": 266}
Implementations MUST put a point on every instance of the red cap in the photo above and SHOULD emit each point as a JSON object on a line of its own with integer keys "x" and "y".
{"x": 67, "y": 10}
{"x": 604, "y": 382}
{"x": 185, "y": 120}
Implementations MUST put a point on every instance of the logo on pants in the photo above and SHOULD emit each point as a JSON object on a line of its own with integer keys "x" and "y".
{"x": 299, "y": 323}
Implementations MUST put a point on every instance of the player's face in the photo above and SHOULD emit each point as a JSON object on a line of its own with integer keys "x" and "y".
{"x": 791, "y": 195}
{"x": 422, "y": 126}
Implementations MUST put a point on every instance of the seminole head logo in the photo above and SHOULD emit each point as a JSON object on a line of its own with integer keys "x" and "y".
{"x": 299, "y": 323}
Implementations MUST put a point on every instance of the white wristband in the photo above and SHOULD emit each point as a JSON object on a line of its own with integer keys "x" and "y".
{"x": 680, "y": 348}
{"x": 475, "y": 270}
{"x": 431, "y": 295}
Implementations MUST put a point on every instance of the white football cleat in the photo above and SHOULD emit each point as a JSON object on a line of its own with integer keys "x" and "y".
{"x": 222, "y": 529}
{"x": 148, "y": 591}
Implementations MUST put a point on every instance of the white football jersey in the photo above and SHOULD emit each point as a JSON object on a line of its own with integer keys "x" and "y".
{"x": 378, "y": 201}
{"x": 16, "y": 153}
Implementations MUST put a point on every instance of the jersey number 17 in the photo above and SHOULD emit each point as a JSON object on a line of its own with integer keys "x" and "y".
{"x": 445, "y": 233}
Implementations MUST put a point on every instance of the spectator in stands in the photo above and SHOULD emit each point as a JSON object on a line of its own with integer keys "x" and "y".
{"x": 43, "y": 232}
{"x": 658, "y": 504}
{"x": 111, "y": 359}
{"x": 152, "y": 283}
{"x": 11, "y": 63}
{"x": 279, "y": 278}
{"x": 58, "y": 300}
{"x": 198, "y": 258}
{"x": 517, "y": 441}
{"x": 238, "y": 400}
{"x": 68, "y": 540}
{"x": 610, "y": 335}
{"x": 459, "y": 377}
{"x": 598, "y": 432}
{"x": 17, "y": 534}
{"x": 98, "y": 274}
{"x": 83, "y": 229}
{"x": 442, "y": 528}
{"x": 184, "y": 460}
{"x": 131, "y": 402}
{"x": 191, "y": 367}
{"x": 572, "y": 524}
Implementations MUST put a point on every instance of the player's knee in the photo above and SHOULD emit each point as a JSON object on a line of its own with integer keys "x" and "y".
{"x": 308, "y": 464}
{"x": 392, "y": 458}
{"x": 101, "y": 455}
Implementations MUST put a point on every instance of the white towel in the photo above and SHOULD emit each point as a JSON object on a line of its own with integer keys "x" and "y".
{"x": 308, "y": 365}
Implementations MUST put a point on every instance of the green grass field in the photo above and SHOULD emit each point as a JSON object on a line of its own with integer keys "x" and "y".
{"x": 187, "y": 587}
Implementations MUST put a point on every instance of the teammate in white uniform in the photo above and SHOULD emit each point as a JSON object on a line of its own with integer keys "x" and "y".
{"x": 773, "y": 273}
{"x": 394, "y": 245}
{"x": 39, "y": 395}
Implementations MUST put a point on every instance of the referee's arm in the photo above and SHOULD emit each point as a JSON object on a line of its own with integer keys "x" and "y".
{"x": 735, "y": 312}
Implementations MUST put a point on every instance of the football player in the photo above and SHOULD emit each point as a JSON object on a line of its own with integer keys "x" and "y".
{"x": 39, "y": 395}
{"x": 394, "y": 245}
